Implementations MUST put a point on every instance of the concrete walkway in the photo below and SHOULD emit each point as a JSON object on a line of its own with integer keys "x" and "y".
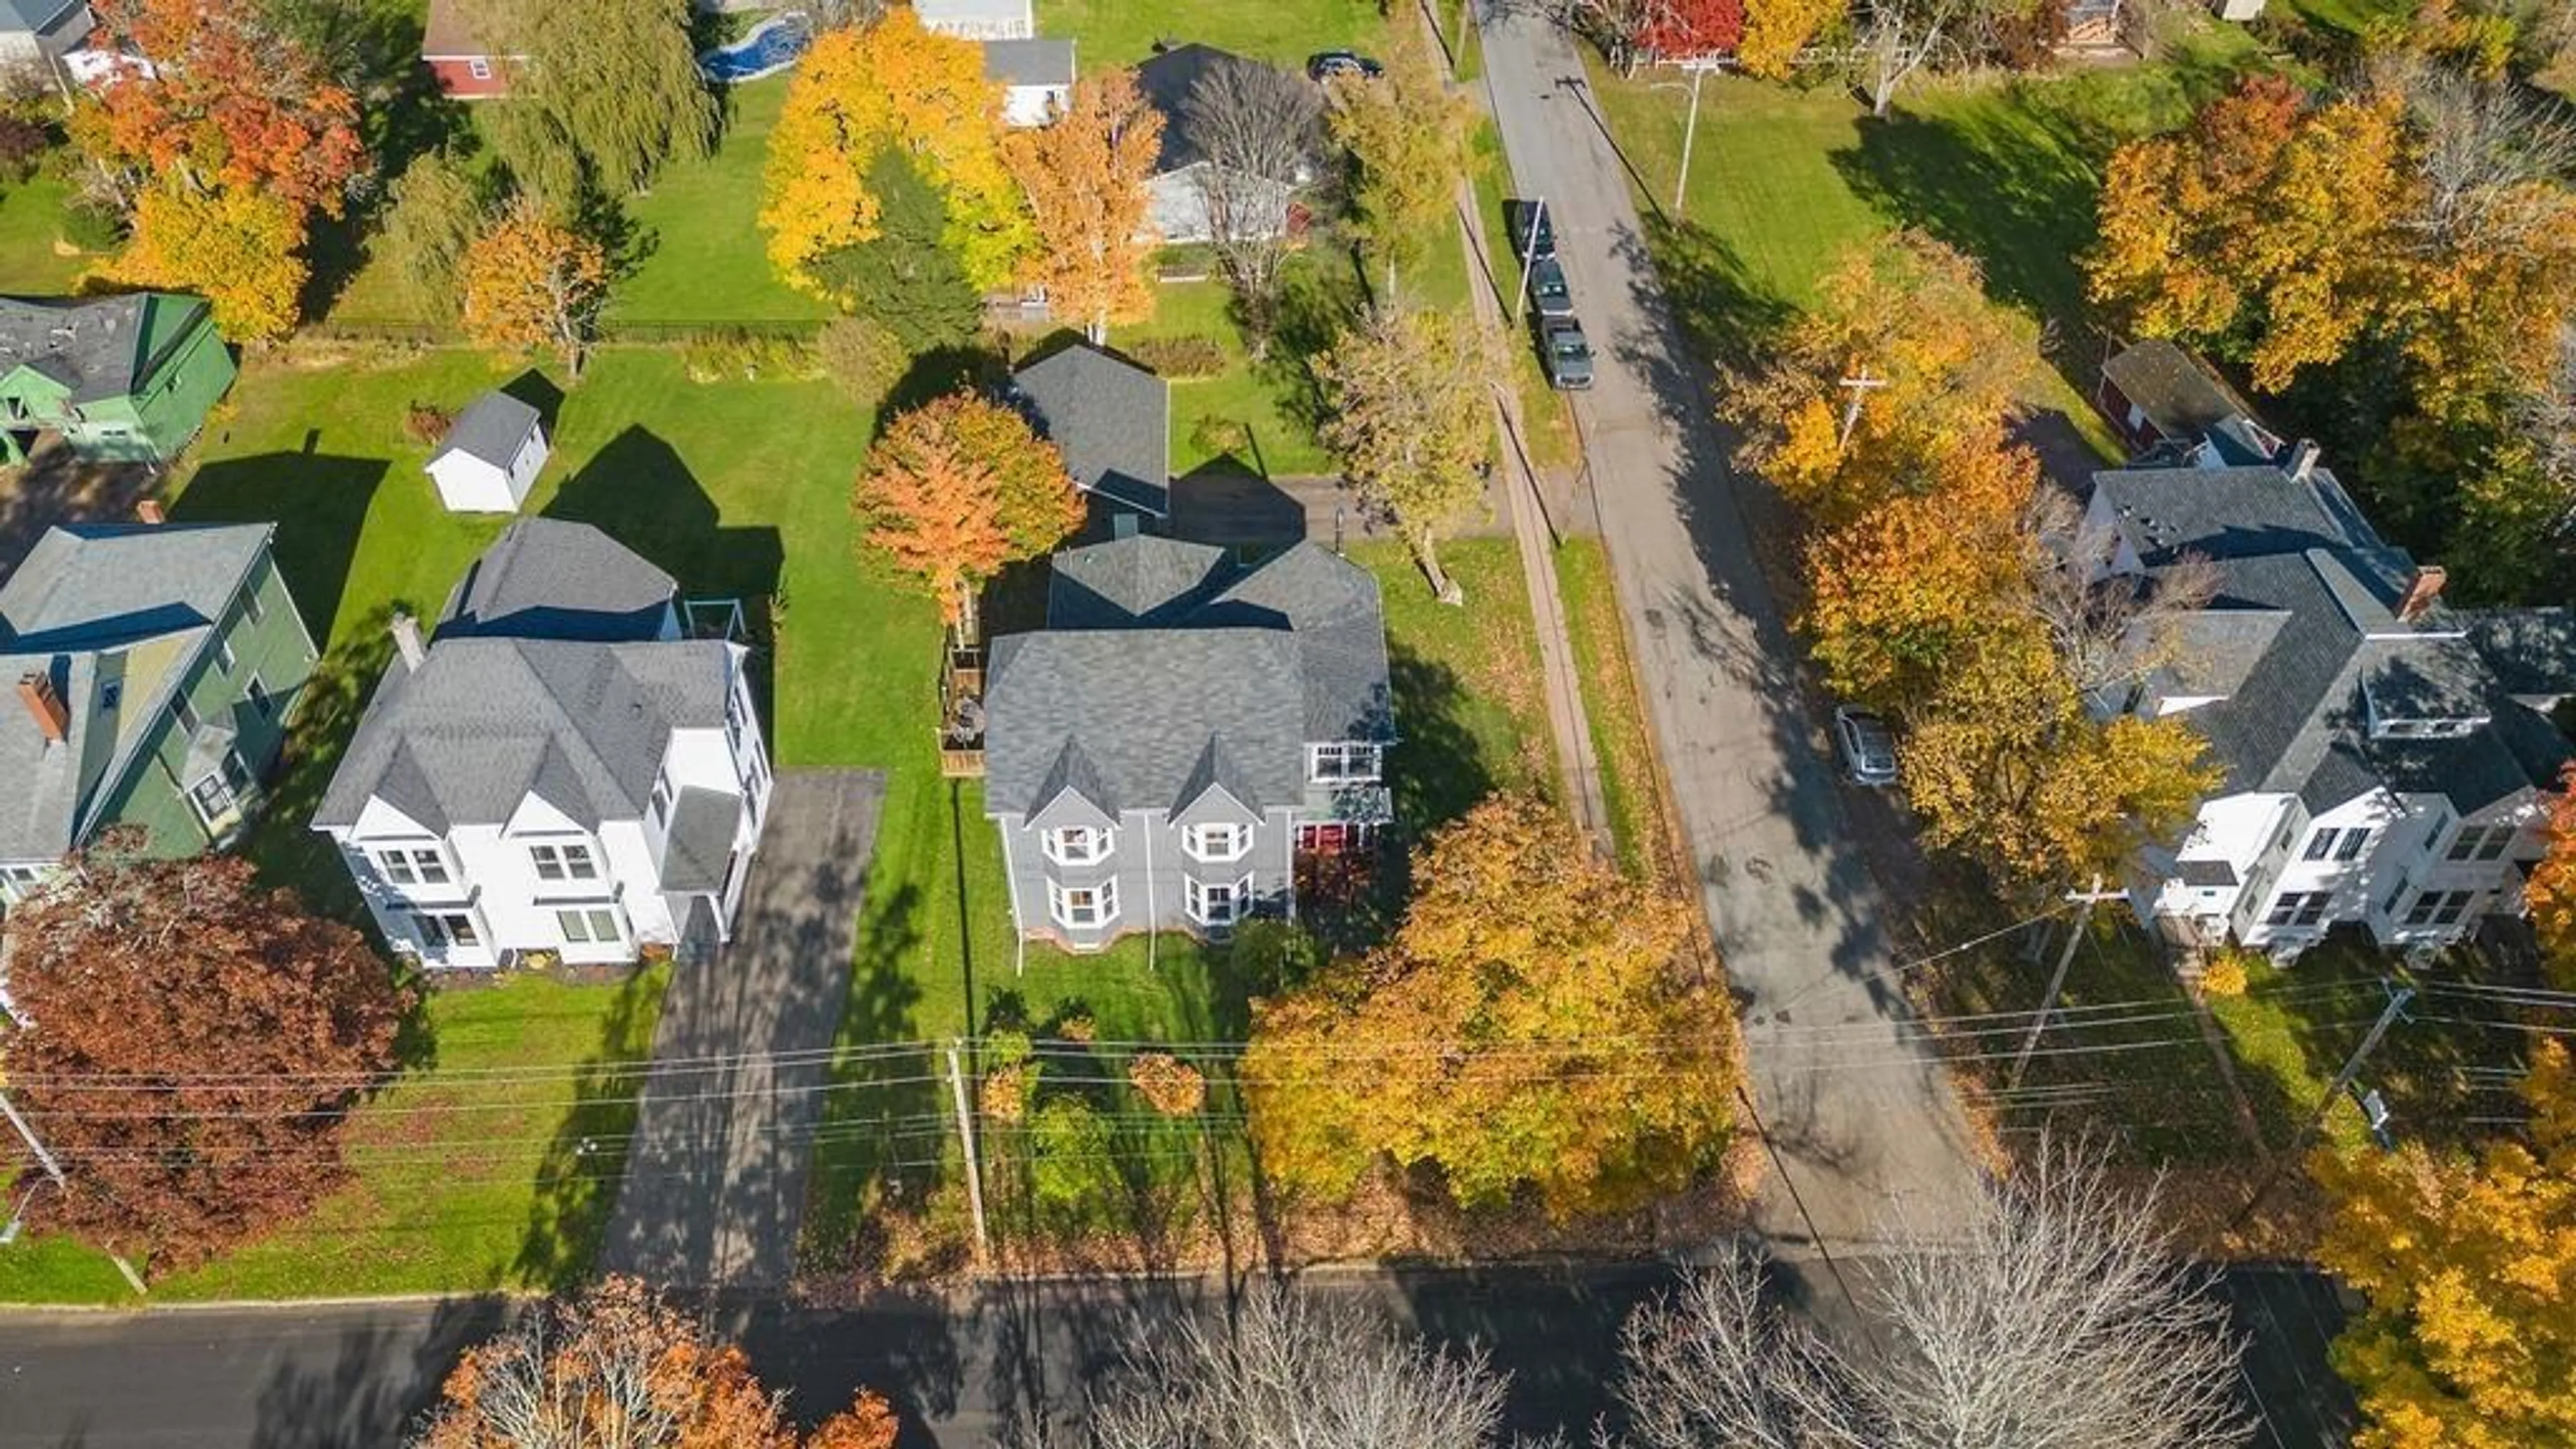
{"x": 715, "y": 1180}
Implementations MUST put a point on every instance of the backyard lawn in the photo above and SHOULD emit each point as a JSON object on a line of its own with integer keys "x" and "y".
{"x": 32, "y": 263}
{"x": 490, "y": 1165}
{"x": 1123, "y": 32}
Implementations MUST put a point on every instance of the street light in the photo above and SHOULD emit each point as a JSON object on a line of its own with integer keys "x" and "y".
{"x": 1699, "y": 70}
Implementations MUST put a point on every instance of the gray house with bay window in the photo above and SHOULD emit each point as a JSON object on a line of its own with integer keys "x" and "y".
{"x": 1182, "y": 734}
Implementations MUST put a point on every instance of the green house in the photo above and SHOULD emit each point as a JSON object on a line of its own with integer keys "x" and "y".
{"x": 122, "y": 379}
{"x": 152, "y": 670}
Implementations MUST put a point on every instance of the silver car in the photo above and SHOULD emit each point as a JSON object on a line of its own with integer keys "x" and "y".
{"x": 1868, "y": 750}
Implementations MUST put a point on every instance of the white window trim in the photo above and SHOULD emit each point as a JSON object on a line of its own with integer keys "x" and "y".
{"x": 1099, "y": 844}
{"x": 479, "y": 68}
{"x": 559, "y": 853}
{"x": 400, "y": 864}
{"x": 1199, "y": 902}
{"x": 1194, "y": 839}
{"x": 1104, "y": 908}
{"x": 587, "y": 916}
{"x": 1342, "y": 773}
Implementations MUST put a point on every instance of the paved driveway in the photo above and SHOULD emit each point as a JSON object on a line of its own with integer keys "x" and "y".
{"x": 1865, "y": 1119}
{"x": 715, "y": 1180}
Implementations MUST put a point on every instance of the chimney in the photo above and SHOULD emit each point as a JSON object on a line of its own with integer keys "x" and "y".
{"x": 150, "y": 511}
{"x": 36, "y": 692}
{"x": 2303, "y": 459}
{"x": 2422, "y": 591}
{"x": 406, "y": 631}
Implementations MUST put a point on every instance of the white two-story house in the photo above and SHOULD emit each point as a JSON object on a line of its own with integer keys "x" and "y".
{"x": 1182, "y": 733}
{"x": 2381, "y": 770}
{"x": 557, "y": 769}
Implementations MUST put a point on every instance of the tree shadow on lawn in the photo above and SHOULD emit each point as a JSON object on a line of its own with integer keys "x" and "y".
{"x": 577, "y": 1180}
{"x": 406, "y": 115}
{"x": 1725, "y": 313}
{"x": 1318, "y": 302}
{"x": 863, "y": 1167}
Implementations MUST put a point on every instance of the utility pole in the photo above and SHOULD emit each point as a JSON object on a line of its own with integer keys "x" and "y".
{"x": 1699, "y": 70}
{"x": 54, "y": 1170}
{"x": 2397, "y": 1000}
{"x": 966, "y": 1137}
{"x": 2057, "y": 982}
{"x": 1529, "y": 254}
{"x": 1858, "y": 387}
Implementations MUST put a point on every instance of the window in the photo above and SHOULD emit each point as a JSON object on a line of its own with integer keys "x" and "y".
{"x": 184, "y": 712}
{"x": 588, "y": 925}
{"x": 111, "y": 694}
{"x": 1216, "y": 903}
{"x": 563, "y": 862}
{"x": 660, "y": 806}
{"x": 260, "y": 700}
{"x": 1331, "y": 838}
{"x": 413, "y": 865}
{"x": 1217, "y": 842}
{"x": 2321, "y": 843}
{"x": 252, "y": 608}
{"x": 1077, "y": 845}
{"x": 479, "y": 68}
{"x": 2349, "y": 848}
{"x": 2299, "y": 908}
{"x": 1083, "y": 907}
{"x": 2480, "y": 842}
{"x": 439, "y": 930}
{"x": 1345, "y": 763}
{"x": 2341, "y": 845}
{"x": 224, "y": 659}
{"x": 2437, "y": 908}
{"x": 219, "y": 794}
{"x": 17, "y": 880}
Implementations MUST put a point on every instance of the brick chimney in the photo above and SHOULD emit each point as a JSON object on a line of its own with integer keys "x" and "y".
{"x": 2421, "y": 591}
{"x": 36, "y": 692}
{"x": 150, "y": 511}
{"x": 406, "y": 632}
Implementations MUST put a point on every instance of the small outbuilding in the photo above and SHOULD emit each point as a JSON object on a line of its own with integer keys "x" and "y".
{"x": 1036, "y": 77}
{"x": 491, "y": 456}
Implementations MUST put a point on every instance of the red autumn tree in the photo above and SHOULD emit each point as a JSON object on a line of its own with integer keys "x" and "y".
{"x": 959, "y": 487}
{"x": 189, "y": 1048}
{"x": 620, "y": 1366}
{"x": 229, "y": 101}
{"x": 1687, "y": 29}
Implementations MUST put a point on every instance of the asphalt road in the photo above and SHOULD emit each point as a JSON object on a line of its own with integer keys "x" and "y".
{"x": 1864, "y": 1118}
{"x": 962, "y": 1369}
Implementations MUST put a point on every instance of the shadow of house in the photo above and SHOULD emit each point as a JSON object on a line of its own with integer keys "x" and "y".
{"x": 319, "y": 502}
{"x": 640, "y": 492}
{"x": 57, "y": 486}
{"x": 1231, "y": 504}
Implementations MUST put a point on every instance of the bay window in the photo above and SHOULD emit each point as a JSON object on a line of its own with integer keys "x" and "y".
{"x": 1083, "y": 908}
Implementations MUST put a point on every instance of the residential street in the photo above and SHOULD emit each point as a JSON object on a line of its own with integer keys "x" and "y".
{"x": 958, "y": 1368}
{"x": 715, "y": 1185}
{"x": 1865, "y": 1120}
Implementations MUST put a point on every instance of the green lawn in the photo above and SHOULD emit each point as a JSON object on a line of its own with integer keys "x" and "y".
{"x": 1469, "y": 709}
{"x": 458, "y": 1183}
{"x": 1621, "y": 740}
{"x": 31, "y": 229}
{"x": 1272, "y": 400}
{"x": 1123, "y": 32}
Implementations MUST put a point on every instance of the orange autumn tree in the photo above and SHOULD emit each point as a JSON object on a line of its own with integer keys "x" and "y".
{"x": 531, "y": 281}
{"x": 1530, "y": 1026}
{"x": 621, "y": 1366}
{"x": 956, "y": 489}
{"x": 225, "y": 148}
{"x": 2551, "y": 891}
{"x": 889, "y": 84}
{"x": 1085, "y": 179}
{"x": 2467, "y": 1260}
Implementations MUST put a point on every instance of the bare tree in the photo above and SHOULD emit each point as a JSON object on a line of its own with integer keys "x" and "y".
{"x": 1259, "y": 127}
{"x": 2109, "y": 628}
{"x": 2056, "y": 1319}
{"x": 2490, "y": 158}
{"x": 1616, "y": 27}
{"x": 1900, "y": 37}
{"x": 1295, "y": 1370}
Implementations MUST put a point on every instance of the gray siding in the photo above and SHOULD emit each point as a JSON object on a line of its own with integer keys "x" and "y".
{"x": 1150, "y": 870}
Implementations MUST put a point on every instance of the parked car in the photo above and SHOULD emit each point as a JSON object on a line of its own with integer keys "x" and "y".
{"x": 1325, "y": 65}
{"x": 1517, "y": 216}
{"x": 1868, "y": 750}
{"x": 1565, "y": 354}
{"x": 1547, "y": 289}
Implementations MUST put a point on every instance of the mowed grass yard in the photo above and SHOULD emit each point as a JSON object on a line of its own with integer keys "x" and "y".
{"x": 1123, "y": 32}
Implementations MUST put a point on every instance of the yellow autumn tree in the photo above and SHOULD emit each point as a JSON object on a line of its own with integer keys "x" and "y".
{"x": 240, "y": 248}
{"x": 531, "y": 281}
{"x": 1903, "y": 352}
{"x": 1526, "y": 1029}
{"x": 1776, "y": 30}
{"x": 1085, "y": 179}
{"x": 890, "y": 84}
{"x": 2469, "y": 1265}
{"x": 2551, "y": 891}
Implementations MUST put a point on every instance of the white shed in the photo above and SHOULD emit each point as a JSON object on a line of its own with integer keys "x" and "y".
{"x": 1036, "y": 77}
{"x": 491, "y": 456}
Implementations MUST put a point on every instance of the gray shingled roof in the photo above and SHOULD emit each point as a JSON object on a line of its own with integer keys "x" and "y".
{"x": 700, "y": 841}
{"x": 491, "y": 429}
{"x": 545, "y": 578}
{"x": 2533, "y": 651}
{"x": 483, "y": 723}
{"x": 2177, "y": 394}
{"x": 94, "y": 348}
{"x": 1165, "y": 668}
{"x": 1111, "y": 419}
{"x": 1029, "y": 62}
{"x": 1166, "y": 81}
{"x": 2231, "y": 512}
{"x": 83, "y": 596}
